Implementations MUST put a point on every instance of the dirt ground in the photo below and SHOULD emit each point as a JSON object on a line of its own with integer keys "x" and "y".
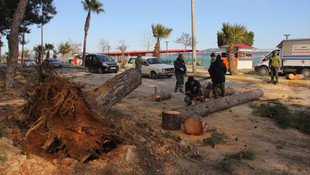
{"x": 278, "y": 151}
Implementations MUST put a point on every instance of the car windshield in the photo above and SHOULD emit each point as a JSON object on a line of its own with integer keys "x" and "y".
{"x": 131, "y": 60}
{"x": 154, "y": 61}
{"x": 105, "y": 58}
{"x": 52, "y": 60}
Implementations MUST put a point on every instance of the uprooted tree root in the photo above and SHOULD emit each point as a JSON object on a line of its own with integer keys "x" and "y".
{"x": 61, "y": 123}
{"x": 58, "y": 123}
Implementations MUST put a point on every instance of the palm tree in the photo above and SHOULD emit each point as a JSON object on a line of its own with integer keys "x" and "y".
{"x": 48, "y": 47}
{"x": 233, "y": 34}
{"x": 159, "y": 32}
{"x": 90, "y": 6}
{"x": 23, "y": 31}
{"x": 38, "y": 50}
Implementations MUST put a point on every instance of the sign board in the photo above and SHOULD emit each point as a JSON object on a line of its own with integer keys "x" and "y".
{"x": 301, "y": 49}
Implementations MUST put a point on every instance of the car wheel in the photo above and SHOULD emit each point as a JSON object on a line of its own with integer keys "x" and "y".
{"x": 154, "y": 75}
{"x": 306, "y": 73}
{"x": 263, "y": 71}
{"x": 100, "y": 71}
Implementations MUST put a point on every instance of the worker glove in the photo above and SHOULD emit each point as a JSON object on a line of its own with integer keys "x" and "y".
{"x": 181, "y": 69}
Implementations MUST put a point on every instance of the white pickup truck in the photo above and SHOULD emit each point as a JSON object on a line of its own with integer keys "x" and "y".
{"x": 152, "y": 67}
{"x": 295, "y": 57}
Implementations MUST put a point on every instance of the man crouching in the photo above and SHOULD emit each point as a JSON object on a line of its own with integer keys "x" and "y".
{"x": 193, "y": 91}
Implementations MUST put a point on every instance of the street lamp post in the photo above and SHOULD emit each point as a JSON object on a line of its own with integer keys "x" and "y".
{"x": 109, "y": 50}
{"x": 167, "y": 50}
{"x": 193, "y": 37}
{"x": 287, "y": 35}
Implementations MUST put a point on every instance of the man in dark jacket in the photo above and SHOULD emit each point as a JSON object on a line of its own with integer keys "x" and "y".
{"x": 180, "y": 70}
{"x": 193, "y": 90}
{"x": 138, "y": 63}
{"x": 217, "y": 72}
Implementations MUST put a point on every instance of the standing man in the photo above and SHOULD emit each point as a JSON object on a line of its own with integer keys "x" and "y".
{"x": 217, "y": 72}
{"x": 180, "y": 70}
{"x": 274, "y": 64}
{"x": 138, "y": 63}
{"x": 213, "y": 57}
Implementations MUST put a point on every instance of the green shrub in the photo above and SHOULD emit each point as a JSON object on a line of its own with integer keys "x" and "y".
{"x": 216, "y": 138}
{"x": 285, "y": 118}
{"x": 226, "y": 165}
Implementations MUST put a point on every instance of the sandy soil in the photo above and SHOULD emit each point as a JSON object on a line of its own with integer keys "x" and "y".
{"x": 277, "y": 151}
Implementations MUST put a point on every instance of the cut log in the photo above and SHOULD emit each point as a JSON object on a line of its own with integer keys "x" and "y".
{"x": 229, "y": 91}
{"x": 214, "y": 105}
{"x": 208, "y": 92}
{"x": 290, "y": 76}
{"x": 112, "y": 91}
{"x": 171, "y": 120}
{"x": 194, "y": 125}
{"x": 299, "y": 77}
{"x": 161, "y": 96}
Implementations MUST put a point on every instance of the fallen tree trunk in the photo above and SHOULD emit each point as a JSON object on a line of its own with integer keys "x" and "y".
{"x": 161, "y": 96}
{"x": 112, "y": 91}
{"x": 63, "y": 124}
{"x": 214, "y": 105}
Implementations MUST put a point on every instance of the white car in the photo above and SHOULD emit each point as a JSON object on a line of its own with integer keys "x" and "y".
{"x": 152, "y": 67}
{"x": 29, "y": 62}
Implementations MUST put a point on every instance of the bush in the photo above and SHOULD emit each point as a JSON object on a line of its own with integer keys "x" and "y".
{"x": 226, "y": 165}
{"x": 285, "y": 118}
{"x": 216, "y": 138}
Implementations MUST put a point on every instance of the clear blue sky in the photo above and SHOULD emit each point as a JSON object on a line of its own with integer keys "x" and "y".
{"x": 128, "y": 19}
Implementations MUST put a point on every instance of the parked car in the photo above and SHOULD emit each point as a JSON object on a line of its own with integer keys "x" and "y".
{"x": 54, "y": 62}
{"x": 29, "y": 62}
{"x": 152, "y": 67}
{"x": 100, "y": 63}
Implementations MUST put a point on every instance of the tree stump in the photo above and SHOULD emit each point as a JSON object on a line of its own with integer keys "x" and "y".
{"x": 290, "y": 76}
{"x": 161, "y": 96}
{"x": 171, "y": 120}
{"x": 194, "y": 125}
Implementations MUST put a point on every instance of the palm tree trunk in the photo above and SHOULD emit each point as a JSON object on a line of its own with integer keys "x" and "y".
{"x": 23, "y": 44}
{"x": 85, "y": 36}
{"x": 0, "y": 54}
{"x": 13, "y": 43}
{"x": 231, "y": 59}
{"x": 157, "y": 50}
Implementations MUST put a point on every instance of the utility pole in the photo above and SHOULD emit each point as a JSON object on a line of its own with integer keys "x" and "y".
{"x": 193, "y": 37}
{"x": 166, "y": 50}
{"x": 42, "y": 53}
{"x": 109, "y": 50}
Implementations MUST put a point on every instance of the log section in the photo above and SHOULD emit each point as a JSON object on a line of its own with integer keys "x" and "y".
{"x": 171, "y": 120}
{"x": 214, "y": 105}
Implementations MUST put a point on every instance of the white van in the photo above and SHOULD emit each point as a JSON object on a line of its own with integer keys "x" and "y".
{"x": 152, "y": 67}
{"x": 295, "y": 57}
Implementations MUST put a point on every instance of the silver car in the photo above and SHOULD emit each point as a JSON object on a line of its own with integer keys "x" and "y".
{"x": 29, "y": 63}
